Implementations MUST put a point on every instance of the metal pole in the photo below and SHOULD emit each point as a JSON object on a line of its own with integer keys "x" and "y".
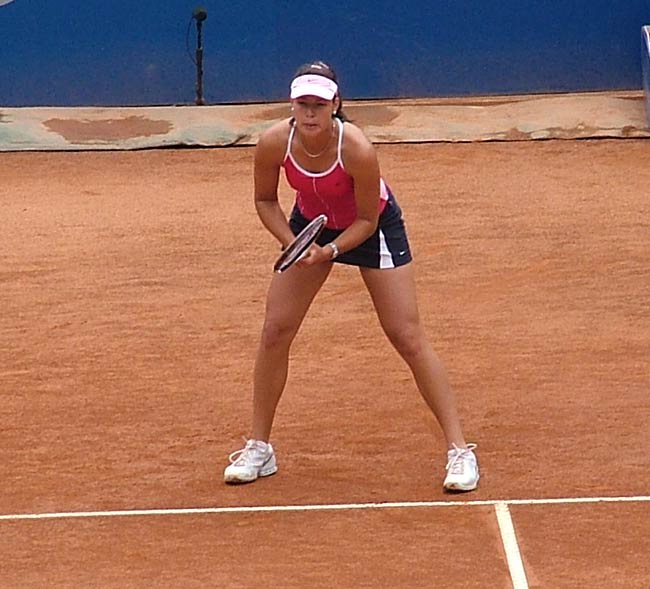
{"x": 199, "y": 63}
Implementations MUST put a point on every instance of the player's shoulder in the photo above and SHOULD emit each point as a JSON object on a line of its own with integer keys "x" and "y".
{"x": 355, "y": 142}
{"x": 272, "y": 143}
{"x": 276, "y": 135}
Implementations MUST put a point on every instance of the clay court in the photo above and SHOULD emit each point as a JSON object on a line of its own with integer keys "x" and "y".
{"x": 132, "y": 288}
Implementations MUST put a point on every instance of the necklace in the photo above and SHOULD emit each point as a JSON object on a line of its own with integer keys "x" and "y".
{"x": 315, "y": 155}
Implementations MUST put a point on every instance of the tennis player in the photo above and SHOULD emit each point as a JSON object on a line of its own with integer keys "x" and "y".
{"x": 334, "y": 169}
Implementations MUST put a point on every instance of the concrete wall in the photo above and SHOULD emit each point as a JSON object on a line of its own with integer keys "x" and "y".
{"x": 122, "y": 52}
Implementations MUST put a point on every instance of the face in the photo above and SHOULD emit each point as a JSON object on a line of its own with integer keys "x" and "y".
{"x": 313, "y": 114}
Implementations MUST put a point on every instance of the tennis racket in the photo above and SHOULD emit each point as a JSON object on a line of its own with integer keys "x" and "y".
{"x": 301, "y": 244}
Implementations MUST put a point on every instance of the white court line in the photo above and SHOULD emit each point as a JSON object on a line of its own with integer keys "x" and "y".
{"x": 323, "y": 507}
{"x": 509, "y": 539}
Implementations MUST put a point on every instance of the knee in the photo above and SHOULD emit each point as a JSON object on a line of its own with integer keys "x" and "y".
{"x": 408, "y": 339}
{"x": 276, "y": 334}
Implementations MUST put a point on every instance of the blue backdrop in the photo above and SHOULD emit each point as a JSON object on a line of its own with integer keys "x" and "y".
{"x": 122, "y": 52}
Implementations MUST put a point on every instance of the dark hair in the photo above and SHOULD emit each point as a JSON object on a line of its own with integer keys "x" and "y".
{"x": 320, "y": 68}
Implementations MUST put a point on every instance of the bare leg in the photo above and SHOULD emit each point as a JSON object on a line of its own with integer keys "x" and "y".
{"x": 393, "y": 294}
{"x": 289, "y": 298}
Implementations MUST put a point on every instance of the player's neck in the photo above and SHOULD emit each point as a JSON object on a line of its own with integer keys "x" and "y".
{"x": 319, "y": 145}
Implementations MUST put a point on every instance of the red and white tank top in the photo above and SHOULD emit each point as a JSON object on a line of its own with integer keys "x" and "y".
{"x": 330, "y": 192}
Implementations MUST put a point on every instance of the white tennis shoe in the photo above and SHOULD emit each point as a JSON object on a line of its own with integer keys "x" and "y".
{"x": 462, "y": 469}
{"x": 255, "y": 459}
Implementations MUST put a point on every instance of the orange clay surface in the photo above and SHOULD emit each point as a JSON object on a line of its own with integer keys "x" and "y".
{"x": 132, "y": 289}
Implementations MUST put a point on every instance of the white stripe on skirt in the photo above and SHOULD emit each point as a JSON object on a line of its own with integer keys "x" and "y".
{"x": 385, "y": 257}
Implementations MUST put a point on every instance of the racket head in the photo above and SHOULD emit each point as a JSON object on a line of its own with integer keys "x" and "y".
{"x": 300, "y": 245}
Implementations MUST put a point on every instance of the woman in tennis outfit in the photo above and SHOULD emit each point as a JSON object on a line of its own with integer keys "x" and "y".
{"x": 334, "y": 169}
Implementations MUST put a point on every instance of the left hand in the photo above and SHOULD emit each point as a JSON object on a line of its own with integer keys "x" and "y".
{"x": 315, "y": 255}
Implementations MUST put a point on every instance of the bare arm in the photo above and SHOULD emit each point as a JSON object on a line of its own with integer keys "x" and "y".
{"x": 360, "y": 160}
{"x": 268, "y": 160}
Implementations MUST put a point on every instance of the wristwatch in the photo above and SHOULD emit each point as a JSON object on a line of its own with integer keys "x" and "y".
{"x": 335, "y": 249}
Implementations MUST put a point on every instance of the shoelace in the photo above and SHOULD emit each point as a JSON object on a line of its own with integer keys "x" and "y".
{"x": 456, "y": 464}
{"x": 244, "y": 455}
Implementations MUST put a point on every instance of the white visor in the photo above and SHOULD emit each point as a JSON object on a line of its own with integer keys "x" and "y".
{"x": 313, "y": 85}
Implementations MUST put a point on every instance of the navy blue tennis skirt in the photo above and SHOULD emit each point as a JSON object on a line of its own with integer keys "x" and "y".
{"x": 387, "y": 247}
